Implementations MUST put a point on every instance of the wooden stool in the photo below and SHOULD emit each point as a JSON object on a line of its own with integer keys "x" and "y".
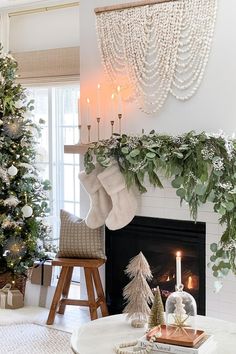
{"x": 92, "y": 278}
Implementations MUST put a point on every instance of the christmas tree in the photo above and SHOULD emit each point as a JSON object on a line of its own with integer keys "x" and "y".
{"x": 23, "y": 195}
{"x": 137, "y": 293}
{"x": 156, "y": 317}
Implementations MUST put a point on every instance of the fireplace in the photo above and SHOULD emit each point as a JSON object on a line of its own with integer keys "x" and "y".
{"x": 159, "y": 240}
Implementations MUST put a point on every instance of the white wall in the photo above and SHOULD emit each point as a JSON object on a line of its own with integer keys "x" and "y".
{"x": 46, "y": 30}
{"x": 212, "y": 108}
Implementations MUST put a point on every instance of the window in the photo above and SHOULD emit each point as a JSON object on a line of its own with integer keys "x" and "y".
{"x": 58, "y": 107}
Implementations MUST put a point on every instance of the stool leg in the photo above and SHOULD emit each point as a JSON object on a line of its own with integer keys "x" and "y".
{"x": 65, "y": 290}
{"x": 57, "y": 296}
{"x": 100, "y": 292}
{"x": 91, "y": 295}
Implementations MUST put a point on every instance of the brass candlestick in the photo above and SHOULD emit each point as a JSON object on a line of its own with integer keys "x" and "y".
{"x": 89, "y": 133}
{"x": 119, "y": 118}
{"x": 98, "y": 121}
{"x": 112, "y": 127}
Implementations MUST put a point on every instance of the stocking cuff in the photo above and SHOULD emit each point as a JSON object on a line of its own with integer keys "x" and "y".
{"x": 90, "y": 181}
{"x": 112, "y": 179}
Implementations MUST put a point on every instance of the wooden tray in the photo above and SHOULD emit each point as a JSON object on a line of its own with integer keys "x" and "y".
{"x": 186, "y": 337}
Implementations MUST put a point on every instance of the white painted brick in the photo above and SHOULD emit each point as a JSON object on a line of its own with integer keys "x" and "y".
{"x": 212, "y": 228}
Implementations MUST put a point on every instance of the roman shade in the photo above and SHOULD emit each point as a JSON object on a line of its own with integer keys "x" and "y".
{"x": 47, "y": 66}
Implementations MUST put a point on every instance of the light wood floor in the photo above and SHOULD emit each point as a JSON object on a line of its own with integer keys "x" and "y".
{"x": 73, "y": 318}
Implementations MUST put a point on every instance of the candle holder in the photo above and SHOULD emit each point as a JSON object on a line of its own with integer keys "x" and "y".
{"x": 112, "y": 127}
{"x": 98, "y": 121}
{"x": 181, "y": 312}
{"x": 119, "y": 119}
{"x": 89, "y": 133}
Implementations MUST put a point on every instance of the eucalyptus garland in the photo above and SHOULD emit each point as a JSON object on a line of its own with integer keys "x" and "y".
{"x": 201, "y": 167}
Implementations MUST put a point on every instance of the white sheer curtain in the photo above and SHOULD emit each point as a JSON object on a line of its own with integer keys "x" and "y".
{"x": 4, "y": 31}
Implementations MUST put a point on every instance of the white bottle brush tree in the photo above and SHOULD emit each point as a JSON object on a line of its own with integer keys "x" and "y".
{"x": 24, "y": 234}
{"x": 137, "y": 293}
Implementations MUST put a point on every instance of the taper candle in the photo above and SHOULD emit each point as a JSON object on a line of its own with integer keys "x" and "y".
{"x": 119, "y": 100}
{"x": 78, "y": 112}
{"x": 99, "y": 100}
{"x": 88, "y": 112}
{"x": 178, "y": 269}
{"x": 113, "y": 106}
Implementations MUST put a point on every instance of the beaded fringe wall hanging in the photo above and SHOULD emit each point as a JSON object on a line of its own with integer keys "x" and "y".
{"x": 160, "y": 48}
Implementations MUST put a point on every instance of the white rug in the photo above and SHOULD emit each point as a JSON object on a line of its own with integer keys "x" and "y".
{"x": 33, "y": 339}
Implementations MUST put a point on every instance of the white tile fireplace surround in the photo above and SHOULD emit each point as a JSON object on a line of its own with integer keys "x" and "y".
{"x": 163, "y": 203}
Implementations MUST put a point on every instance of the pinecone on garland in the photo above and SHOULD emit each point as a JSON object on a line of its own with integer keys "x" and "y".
{"x": 156, "y": 316}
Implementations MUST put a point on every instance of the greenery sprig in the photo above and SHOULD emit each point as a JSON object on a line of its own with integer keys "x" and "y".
{"x": 201, "y": 167}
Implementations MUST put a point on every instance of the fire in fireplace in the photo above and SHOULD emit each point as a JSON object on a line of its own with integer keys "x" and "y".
{"x": 159, "y": 240}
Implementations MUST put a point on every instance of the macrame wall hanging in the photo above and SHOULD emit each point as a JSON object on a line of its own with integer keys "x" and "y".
{"x": 160, "y": 47}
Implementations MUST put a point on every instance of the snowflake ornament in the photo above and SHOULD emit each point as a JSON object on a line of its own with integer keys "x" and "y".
{"x": 13, "y": 128}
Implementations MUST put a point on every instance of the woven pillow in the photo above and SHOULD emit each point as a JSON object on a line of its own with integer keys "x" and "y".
{"x": 77, "y": 240}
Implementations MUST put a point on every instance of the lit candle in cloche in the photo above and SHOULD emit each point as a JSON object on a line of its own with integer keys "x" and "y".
{"x": 178, "y": 269}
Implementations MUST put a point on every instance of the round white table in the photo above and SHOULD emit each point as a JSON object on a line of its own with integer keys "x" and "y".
{"x": 100, "y": 336}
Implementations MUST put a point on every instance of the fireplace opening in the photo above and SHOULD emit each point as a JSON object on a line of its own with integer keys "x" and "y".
{"x": 159, "y": 240}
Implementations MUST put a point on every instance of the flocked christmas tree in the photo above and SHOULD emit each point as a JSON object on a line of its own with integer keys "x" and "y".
{"x": 23, "y": 196}
{"x": 137, "y": 293}
{"x": 156, "y": 316}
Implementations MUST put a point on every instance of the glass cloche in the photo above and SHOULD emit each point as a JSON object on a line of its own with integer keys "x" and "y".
{"x": 181, "y": 312}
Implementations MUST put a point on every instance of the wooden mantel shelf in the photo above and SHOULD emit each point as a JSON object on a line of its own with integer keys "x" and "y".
{"x": 76, "y": 149}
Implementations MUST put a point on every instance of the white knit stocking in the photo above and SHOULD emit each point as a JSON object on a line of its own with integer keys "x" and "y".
{"x": 124, "y": 201}
{"x": 100, "y": 202}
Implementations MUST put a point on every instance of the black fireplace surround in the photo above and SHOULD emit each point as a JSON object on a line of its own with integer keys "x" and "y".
{"x": 159, "y": 240}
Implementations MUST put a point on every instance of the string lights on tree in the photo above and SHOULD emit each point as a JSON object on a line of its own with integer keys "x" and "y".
{"x": 23, "y": 194}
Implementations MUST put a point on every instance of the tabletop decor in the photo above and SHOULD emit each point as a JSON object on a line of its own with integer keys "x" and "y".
{"x": 130, "y": 38}
{"x": 109, "y": 331}
{"x": 137, "y": 293}
{"x": 181, "y": 312}
{"x": 156, "y": 316}
{"x": 202, "y": 168}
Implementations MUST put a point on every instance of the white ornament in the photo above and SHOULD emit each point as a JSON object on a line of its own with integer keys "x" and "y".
{"x": 12, "y": 171}
{"x": 161, "y": 48}
{"x": 27, "y": 211}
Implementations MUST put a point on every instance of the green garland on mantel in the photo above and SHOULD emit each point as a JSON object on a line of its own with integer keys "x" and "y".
{"x": 202, "y": 168}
